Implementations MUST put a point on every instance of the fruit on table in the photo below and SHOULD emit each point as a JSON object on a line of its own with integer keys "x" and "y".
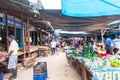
{"x": 73, "y": 53}
{"x": 115, "y": 62}
{"x": 3, "y": 56}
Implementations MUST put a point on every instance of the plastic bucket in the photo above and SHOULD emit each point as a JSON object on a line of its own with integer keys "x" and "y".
{"x": 46, "y": 74}
{"x": 39, "y": 76}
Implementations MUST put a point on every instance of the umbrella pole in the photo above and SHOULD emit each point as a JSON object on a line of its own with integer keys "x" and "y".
{"x": 102, "y": 33}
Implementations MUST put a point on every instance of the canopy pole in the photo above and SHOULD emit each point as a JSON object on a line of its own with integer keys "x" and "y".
{"x": 34, "y": 37}
{"x": 40, "y": 37}
{"x": 14, "y": 19}
{"x": 102, "y": 33}
{"x": 23, "y": 38}
{"x": 28, "y": 34}
{"x": 6, "y": 24}
{"x": 37, "y": 37}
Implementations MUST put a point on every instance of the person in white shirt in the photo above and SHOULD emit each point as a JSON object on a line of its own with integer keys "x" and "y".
{"x": 53, "y": 46}
{"x": 116, "y": 44}
{"x": 13, "y": 57}
{"x": 94, "y": 46}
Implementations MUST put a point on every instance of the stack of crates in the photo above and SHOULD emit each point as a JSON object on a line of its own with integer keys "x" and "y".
{"x": 40, "y": 71}
{"x": 1, "y": 75}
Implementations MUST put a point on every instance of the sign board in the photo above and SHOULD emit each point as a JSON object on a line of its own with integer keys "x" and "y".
{"x": 106, "y": 75}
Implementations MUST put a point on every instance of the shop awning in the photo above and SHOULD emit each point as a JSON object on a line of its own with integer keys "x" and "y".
{"x": 16, "y": 8}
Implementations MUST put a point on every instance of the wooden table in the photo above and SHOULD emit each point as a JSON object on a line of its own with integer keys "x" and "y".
{"x": 82, "y": 70}
{"x": 44, "y": 49}
{"x": 3, "y": 64}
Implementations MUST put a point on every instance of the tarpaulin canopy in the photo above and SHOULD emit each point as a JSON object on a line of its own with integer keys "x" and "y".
{"x": 66, "y": 23}
{"x": 90, "y": 8}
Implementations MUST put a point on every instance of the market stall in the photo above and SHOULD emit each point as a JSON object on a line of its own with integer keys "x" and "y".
{"x": 17, "y": 21}
{"x": 91, "y": 66}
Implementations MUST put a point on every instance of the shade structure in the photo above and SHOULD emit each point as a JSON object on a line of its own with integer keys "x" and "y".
{"x": 90, "y": 8}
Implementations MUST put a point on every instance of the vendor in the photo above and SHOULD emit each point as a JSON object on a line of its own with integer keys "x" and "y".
{"x": 13, "y": 58}
{"x": 94, "y": 46}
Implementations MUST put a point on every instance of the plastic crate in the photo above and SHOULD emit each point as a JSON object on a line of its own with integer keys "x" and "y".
{"x": 1, "y": 76}
{"x": 46, "y": 74}
{"x": 39, "y": 76}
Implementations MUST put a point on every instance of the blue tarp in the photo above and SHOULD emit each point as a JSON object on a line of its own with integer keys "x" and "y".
{"x": 90, "y": 8}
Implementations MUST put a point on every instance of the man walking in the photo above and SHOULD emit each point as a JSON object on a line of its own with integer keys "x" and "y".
{"x": 53, "y": 46}
{"x": 13, "y": 58}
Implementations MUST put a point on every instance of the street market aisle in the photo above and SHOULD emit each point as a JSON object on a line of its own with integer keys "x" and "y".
{"x": 58, "y": 69}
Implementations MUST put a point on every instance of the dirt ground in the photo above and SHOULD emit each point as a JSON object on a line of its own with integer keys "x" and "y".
{"x": 58, "y": 69}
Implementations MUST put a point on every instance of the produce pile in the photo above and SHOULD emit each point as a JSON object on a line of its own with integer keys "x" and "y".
{"x": 115, "y": 62}
{"x": 88, "y": 51}
{"x": 103, "y": 63}
{"x": 74, "y": 53}
{"x": 99, "y": 61}
{"x": 3, "y": 57}
{"x": 94, "y": 61}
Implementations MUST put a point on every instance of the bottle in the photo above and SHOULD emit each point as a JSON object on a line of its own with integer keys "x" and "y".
{"x": 84, "y": 51}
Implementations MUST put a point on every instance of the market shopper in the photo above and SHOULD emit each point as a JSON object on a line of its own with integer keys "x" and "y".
{"x": 116, "y": 44}
{"x": 57, "y": 47}
{"x": 53, "y": 46}
{"x": 108, "y": 44}
{"x": 94, "y": 46}
{"x": 13, "y": 58}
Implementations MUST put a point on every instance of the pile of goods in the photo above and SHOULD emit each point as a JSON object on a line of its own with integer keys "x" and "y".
{"x": 29, "y": 47}
{"x": 3, "y": 57}
{"x": 103, "y": 63}
{"x": 74, "y": 53}
{"x": 28, "y": 63}
{"x": 88, "y": 51}
{"x": 43, "y": 48}
{"x": 115, "y": 62}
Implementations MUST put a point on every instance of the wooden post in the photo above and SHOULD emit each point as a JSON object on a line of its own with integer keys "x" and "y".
{"x": 23, "y": 37}
{"x": 14, "y": 21}
{"x": 102, "y": 33}
{"x": 28, "y": 35}
{"x": 96, "y": 36}
{"x": 34, "y": 37}
{"x": 37, "y": 37}
{"x": 84, "y": 76}
{"x": 6, "y": 24}
{"x": 40, "y": 37}
{"x": 116, "y": 35}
